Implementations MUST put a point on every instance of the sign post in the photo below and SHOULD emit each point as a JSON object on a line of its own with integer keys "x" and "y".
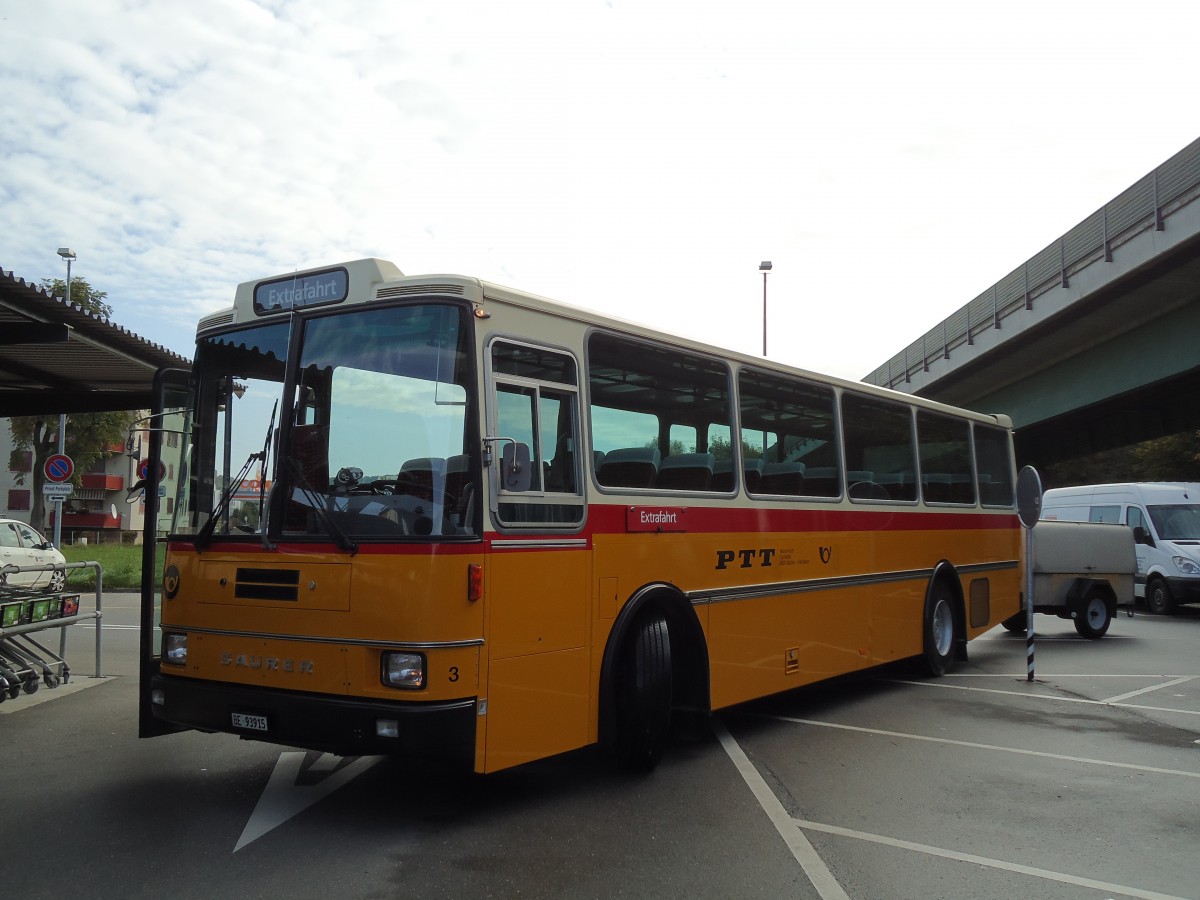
{"x": 1029, "y": 508}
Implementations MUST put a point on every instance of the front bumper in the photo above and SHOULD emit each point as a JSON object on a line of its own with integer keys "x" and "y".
{"x": 339, "y": 725}
{"x": 1184, "y": 590}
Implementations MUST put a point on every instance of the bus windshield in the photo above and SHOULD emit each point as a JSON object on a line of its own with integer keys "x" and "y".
{"x": 376, "y": 444}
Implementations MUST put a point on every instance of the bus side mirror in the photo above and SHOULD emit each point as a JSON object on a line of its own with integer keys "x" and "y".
{"x": 514, "y": 464}
{"x": 1142, "y": 536}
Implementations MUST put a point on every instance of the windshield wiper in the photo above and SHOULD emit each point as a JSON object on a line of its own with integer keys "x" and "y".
{"x": 316, "y": 501}
{"x": 204, "y": 535}
{"x": 262, "y": 482}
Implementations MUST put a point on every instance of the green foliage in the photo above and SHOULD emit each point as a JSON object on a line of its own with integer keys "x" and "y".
{"x": 1175, "y": 457}
{"x": 121, "y": 564}
{"x": 82, "y": 294}
{"x": 88, "y": 435}
{"x": 722, "y": 448}
{"x": 676, "y": 446}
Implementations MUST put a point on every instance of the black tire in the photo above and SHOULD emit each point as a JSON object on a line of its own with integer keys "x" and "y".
{"x": 643, "y": 694}
{"x": 939, "y": 630}
{"x": 1158, "y": 597}
{"x": 1093, "y": 620}
{"x": 1015, "y": 624}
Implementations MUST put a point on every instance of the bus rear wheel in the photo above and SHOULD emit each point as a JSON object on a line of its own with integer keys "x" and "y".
{"x": 643, "y": 694}
{"x": 939, "y": 630}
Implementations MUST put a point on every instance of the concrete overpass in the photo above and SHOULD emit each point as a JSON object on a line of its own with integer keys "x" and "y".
{"x": 1092, "y": 343}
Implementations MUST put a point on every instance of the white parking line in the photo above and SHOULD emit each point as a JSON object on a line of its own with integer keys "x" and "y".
{"x": 1053, "y": 697}
{"x": 814, "y": 867}
{"x": 1147, "y": 690}
{"x": 977, "y": 746}
{"x": 790, "y": 829}
{"x": 1062, "y": 877}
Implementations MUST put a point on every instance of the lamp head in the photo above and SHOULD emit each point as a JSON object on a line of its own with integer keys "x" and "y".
{"x": 764, "y": 266}
{"x": 66, "y": 253}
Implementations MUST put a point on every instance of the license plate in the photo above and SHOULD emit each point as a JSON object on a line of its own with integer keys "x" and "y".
{"x": 249, "y": 722}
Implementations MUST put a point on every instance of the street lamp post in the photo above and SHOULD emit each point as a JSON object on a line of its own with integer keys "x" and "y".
{"x": 68, "y": 254}
{"x": 764, "y": 267}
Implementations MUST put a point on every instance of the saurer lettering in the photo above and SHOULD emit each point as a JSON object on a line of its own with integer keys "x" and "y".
{"x": 267, "y": 663}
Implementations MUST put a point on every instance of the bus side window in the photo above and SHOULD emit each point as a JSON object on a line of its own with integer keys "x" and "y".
{"x": 994, "y": 466}
{"x": 879, "y": 439}
{"x": 944, "y": 444}
{"x": 516, "y": 419}
{"x": 537, "y": 407}
{"x": 662, "y": 417}
{"x": 788, "y": 437}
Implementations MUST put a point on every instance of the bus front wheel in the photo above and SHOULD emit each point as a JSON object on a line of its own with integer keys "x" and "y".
{"x": 939, "y": 629}
{"x": 643, "y": 694}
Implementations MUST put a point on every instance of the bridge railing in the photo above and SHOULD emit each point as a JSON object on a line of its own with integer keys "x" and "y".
{"x": 1146, "y": 205}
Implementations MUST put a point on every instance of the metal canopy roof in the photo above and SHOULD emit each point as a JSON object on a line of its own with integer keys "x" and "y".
{"x": 56, "y": 357}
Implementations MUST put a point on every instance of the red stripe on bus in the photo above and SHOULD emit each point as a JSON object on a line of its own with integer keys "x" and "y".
{"x": 611, "y": 519}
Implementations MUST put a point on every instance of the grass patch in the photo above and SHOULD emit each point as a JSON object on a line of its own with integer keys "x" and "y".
{"x": 122, "y": 565}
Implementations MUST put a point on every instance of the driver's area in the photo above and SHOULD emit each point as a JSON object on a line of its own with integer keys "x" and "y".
{"x": 379, "y": 441}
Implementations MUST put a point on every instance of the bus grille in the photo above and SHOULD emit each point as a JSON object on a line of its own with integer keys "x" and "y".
{"x": 267, "y": 584}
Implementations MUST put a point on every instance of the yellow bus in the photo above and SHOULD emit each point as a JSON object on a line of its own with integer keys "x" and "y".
{"x": 434, "y": 516}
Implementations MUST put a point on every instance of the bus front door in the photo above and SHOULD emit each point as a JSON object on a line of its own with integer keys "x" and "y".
{"x": 163, "y": 439}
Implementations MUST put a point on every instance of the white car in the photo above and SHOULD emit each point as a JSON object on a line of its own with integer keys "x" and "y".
{"x": 21, "y": 546}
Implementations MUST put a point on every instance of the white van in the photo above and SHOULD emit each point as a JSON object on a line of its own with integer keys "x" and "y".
{"x": 1165, "y": 517}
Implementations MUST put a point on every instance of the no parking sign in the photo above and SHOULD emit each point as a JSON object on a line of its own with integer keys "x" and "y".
{"x": 59, "y": 468}
{"x": 143, "y": 470}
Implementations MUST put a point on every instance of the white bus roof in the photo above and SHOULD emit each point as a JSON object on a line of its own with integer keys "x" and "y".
{"x": 366, "y": 280}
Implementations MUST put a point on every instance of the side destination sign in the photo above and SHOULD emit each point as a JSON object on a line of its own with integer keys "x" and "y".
{"x": 295, "y": 291}
{"x": 656, "y": 518}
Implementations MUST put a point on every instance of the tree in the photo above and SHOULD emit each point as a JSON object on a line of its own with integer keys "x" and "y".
{"x": 88, "y": 435}
{"x": 1175, "y": 457}
{"x": 82, "y": 293}
{"x": 88, "y": 439}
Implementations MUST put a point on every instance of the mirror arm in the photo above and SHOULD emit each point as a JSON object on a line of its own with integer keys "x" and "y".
{"x": 487, "y": 447}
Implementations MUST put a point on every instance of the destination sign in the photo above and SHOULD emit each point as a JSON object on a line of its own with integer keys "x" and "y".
{"x": 313, "y": 289}
{"x": 655, "y": 518}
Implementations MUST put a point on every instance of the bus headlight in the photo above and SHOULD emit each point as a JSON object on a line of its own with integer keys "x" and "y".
{"x": 403, "y": 670}
{"x": 1185, "y": 565}
{"x": 174, "y": 649}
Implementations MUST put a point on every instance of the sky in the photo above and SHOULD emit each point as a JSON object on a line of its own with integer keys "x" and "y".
{"x": 638, "y": 157}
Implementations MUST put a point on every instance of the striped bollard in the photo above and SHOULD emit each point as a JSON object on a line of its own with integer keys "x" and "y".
{"x": 1029, "y": 507}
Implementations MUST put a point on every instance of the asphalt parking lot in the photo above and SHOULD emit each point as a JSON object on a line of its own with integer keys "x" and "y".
{"x": 1083, "y": 783}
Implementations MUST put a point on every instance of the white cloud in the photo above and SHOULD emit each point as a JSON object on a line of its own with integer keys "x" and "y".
{"x": 641, "y": 158}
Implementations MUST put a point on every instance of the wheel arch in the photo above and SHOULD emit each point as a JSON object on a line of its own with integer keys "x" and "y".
{"x": 689, "y": 652}
{"x": 945, "y": 573}
{"x": 1082, "y": 588}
